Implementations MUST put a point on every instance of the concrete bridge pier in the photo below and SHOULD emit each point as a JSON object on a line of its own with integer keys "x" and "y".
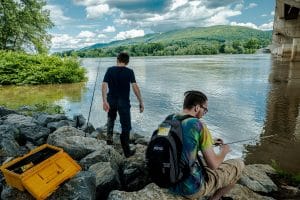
{"x": 286, "y": 30}
{"x": 295, "y": 54}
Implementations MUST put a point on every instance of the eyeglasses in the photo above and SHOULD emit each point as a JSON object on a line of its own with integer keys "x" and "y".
{"x": 204, "y": 108}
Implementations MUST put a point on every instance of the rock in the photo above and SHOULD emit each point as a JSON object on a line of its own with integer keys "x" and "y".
{"x": 88, "y": 128}
{"x": 29, "y": 129}
{"x": 81, "y": 187}
{"x": 106, "y": 179}
{"x": 10, "y": 193}
{"x": 255, "y": 178}
{"x": 79, "y": 120}
{"x": 105, "y": 153}
{"x": 53, "y": 126}
{"x": 240, "y": 192}
{"x": 36, "y": 134}
{"x": 74, "y": 143}
{"x": 8, "y": 146}
{"x": 20, "y": 120}
{"x": 44, "y": 119}
{"x": 150, "y": 192}
{"x": 5, "y": 111}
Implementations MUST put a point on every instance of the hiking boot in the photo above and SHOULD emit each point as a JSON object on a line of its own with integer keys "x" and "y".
{"x": 130, "y": 153}
{"x": 109, "y": 139}
{"x": 125, "y": 145}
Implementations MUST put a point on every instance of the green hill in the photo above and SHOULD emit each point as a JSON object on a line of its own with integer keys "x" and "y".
{"x": 189, "y": 41}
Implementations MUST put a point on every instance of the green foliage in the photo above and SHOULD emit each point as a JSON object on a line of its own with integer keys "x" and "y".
{"x": 23, "y": 25}
{"x": 294, "y": 178}
{"x": 191, "y": 41}
{"x": 21, "y": 68}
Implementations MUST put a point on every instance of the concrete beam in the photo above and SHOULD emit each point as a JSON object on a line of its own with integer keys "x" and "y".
{"x": 295, "y": 54}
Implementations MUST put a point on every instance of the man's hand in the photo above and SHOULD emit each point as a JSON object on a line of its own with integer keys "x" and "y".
{"x": 218, "y": 142}
{"x": 141, "y": 107}
{"x": 225, "y": 148}
{"x": 106, "y": 106}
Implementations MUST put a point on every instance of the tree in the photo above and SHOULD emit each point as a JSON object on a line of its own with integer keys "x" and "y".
{"x": 23, "y": 25}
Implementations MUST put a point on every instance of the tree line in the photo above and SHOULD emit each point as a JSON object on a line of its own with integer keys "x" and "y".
{"x": 182, "y": 47}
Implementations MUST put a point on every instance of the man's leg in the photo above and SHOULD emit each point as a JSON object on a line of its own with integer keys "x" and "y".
{"x": 221, "y": 180}
{"x": 125, "y": 120}
{"x": 228, "y": 173}
{"x": 111, "y": 117}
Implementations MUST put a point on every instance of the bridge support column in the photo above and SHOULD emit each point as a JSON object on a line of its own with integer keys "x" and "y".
{"x": 295, "y": 55}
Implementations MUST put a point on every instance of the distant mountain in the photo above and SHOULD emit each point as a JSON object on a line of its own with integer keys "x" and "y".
{"x": 189, "y": 41}
{"x": 220, "y": 33}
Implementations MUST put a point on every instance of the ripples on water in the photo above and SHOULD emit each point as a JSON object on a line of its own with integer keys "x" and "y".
{"x": 249, "y": 95}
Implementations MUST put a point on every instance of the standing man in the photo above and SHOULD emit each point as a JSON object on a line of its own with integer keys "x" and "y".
{"x": 117, "y": 80}
{"x": 217, "y": 177}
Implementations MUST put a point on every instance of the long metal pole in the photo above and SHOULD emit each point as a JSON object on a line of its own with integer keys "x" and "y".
{"x": 93, "y": 94}
{"x": 263, "y": 137}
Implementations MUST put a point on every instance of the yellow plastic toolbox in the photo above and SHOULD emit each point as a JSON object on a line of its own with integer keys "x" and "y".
{"x": 40, "y": 171}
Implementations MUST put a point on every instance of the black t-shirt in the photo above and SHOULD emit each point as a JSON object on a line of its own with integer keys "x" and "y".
{"x": 119, "y": 80}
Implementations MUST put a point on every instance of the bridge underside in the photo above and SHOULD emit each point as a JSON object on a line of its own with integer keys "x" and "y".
{"x": 286, "y": 30}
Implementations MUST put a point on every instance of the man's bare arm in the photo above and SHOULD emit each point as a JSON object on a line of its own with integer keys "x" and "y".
{"x": 214, "y": 160}
{"x": 138, "y": 95}
{"x": 106, "y": 106}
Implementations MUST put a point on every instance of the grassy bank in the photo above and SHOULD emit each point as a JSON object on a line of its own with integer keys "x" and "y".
{"x": 18, "y": 68}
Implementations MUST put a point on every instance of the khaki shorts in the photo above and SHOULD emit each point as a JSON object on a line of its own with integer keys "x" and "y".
{"x": 227, "y": 173}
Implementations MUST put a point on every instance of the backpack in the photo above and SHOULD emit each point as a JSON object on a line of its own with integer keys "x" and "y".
{"x": 163, "y": 154}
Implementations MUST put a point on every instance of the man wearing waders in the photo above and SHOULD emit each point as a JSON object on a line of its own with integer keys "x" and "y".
{"x": 117, "y": 80}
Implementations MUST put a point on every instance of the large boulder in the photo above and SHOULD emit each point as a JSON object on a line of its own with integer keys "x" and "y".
{"x": 105, "y": 153}
{"x": 255, "y": 178}
{"x": 106, "y": 179}
{"x": 44, "y": 119}
{"x": 82, "y": 186}
{"x": 150, "y": 192}
{"x": 74, "y": 142}
{"x": 240, "y": 192}
{"x": 29, "y": 128}
{"x": 5, "y": 111}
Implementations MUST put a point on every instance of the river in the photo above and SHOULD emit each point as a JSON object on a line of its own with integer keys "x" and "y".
{"x": 250, "y": 96}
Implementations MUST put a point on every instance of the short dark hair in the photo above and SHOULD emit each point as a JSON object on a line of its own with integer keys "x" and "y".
{"x": 123, "y": 57}
{"x": 192, "y": 98}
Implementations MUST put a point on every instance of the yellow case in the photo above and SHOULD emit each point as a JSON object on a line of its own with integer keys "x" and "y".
{"x": 40, "y": 171}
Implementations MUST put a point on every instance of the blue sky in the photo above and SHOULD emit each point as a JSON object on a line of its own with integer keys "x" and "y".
{"x": 80, "y": 23}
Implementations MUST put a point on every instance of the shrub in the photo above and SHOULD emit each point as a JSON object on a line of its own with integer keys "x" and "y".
{"x": 20, "y": 68}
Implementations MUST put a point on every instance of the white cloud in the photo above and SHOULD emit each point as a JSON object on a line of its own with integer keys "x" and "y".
{"x": 101, "y": 36}
{"x": 86, "y": 34}
{"x": 177, "y": 4}
{"x": 88, "y": 2}
{"x": 62, "y": 42}
{"x": 57, "y": 14}
{"x": 263, "y": 27}
{"x": 264, "y": 15}
{"x": 251, "y": 5}
{"x": 221, "y": 17}
{"x": 129, "y": 34}
{"x": 267, "y": 26}
{"x": 97, "y": 11}
{"x": 272, "y": 13}
{"x": 109, "y": 29}
{"x": 248, "y": 24}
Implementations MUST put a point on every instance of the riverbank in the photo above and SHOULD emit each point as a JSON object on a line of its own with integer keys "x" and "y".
{"x": 19, "y": 68}
{"x": 106, "y": 173}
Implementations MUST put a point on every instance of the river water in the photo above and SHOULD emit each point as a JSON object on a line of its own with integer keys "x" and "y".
{"x": 249, "y": 96}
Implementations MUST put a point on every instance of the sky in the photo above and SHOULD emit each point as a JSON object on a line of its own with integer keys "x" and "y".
{"x": 81, "y": 23}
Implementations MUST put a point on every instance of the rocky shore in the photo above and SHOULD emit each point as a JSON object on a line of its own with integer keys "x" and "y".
{"x": 106, "y": 173}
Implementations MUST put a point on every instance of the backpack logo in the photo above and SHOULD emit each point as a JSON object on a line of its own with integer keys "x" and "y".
{"x": 163, "y": 154}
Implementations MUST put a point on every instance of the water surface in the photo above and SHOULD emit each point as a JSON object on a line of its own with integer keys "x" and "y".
{"x": 249, "y": 96}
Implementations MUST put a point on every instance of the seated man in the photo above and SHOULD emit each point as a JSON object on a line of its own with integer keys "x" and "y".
{"x": 217, "y": 177}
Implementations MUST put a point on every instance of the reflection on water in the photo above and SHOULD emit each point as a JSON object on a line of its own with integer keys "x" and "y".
{"x": 282, "y": 119}
{"x": 16, "y": 96}
{"x": 249, "y": 96}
